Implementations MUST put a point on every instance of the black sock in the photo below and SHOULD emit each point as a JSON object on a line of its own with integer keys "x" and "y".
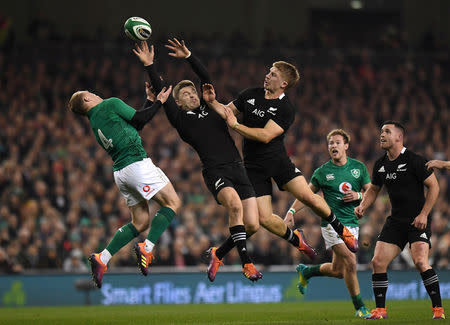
{"x": 240, "y": 239}
{"x": 335, "y": 223}
{"x": 431, "y": 283}
{"x": 291, "y": 237}
{"x": 227, "y": 246}
{"x": 380, "y": 285}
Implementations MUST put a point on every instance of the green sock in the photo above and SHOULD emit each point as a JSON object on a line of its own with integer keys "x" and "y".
{"x": 311, "y": 271}
{"x": 160, "y": 222}
{"x": 357, "y": 301}
{"x": 123, "y": 236}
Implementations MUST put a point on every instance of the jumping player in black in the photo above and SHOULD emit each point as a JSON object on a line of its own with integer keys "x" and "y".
{"x": 404, "y": 173}
{"x": 267, "y": 114}
{"x": 223, "y": 171}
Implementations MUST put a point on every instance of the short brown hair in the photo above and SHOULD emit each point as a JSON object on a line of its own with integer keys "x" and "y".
{"x": 289, "y": 72}
{"x": 182, "y": 84}
{"x": 76, "y": 103}
{"x": 339, "y": 132}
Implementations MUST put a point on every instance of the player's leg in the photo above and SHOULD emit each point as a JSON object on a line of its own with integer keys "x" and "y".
{"x": 276, "y": 225}
{"x": 420, "y": 253}
{"x": 299, "y": 188}
{"x": 384, "y": 254}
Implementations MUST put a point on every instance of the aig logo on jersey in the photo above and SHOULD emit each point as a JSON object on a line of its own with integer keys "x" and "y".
{"x": 261, "y": 113}
{"x": 345, "y": 187}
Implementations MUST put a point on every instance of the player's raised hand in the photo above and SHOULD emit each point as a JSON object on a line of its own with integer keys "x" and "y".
{"x": 420, "y": 222}
{"x": 359, "y": 211}
{"x": 209, "y": 94}
{"x": 229, "y": 116}
{"x": 149, "y": 91}
{"x": 164, "y": 94}
{"x": 350, "y": 196}
{"x": 180, "y": 50}
{"x": 145, "y": 54}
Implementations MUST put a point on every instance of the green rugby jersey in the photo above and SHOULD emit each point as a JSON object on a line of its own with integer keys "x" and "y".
{"x": 109, "y": 121}
{"x": 334, "y": 180}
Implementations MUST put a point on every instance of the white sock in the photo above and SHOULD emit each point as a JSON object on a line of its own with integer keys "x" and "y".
{"x": 105, "y": 256}
{"x": 148, "y": 246}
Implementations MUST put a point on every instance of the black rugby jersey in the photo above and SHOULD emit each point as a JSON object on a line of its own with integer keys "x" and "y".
{"x": 404, "y": 179}
{"x": 257, "y": 111}
{"x": 202, "y": 128}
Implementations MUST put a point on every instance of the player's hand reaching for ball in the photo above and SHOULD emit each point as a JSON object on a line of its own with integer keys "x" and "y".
{"x": 209, "y": 95}
{"x": 180, "y": 51}
{"x": 145, "y": 54}
{"x": 164, "y": 94}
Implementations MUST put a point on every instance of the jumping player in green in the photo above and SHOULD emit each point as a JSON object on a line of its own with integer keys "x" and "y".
{"x": 115, "y": 126}
{"x": 341, "y": 180}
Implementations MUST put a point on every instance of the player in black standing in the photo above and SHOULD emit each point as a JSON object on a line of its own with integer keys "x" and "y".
{"x": 223, "y": 171}
{"x": 404, "y": 173}
{"x": 267, "y": 114}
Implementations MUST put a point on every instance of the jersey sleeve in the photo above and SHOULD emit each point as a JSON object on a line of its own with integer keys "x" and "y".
{"x": 239, "y": 102}
{"x": 284, "y": 117}
{"x": 123, "y": 110}
{"x": 376, "y": 176}
{"x": 365, "y": 179}
{"x": 421, "y": 171}
{"x": 199, "y": 69}
{"x": 315, "y": 179}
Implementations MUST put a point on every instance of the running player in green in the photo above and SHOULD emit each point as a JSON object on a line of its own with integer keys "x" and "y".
{"x": 341, "y": 180}
{"x": 115, "y": 126}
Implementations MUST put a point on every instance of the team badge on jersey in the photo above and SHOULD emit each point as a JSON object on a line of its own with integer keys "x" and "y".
{"x": 355, "y": 173}
{"x": 344, "y": 187}
{"x": 330, "y": 177}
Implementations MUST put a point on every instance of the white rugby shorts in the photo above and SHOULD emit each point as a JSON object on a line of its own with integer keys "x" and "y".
{"x": 140, "y": 181}
{"x": 332, "y": 238}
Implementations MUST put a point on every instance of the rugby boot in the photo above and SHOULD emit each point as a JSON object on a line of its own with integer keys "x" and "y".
{"x": 251, "y": 273}
{"x": 214, "y": 264}
{"x": 378, "y": 313}
{"x": 303, "y": 246}
{"x": 350, "y": 241}
{"x": 97, "y": 269}
{"x": 143, "y": 258}
{"x": 438, "y": 313}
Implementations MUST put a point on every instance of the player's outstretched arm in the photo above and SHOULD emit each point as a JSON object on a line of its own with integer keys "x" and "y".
{"x": 440, "y": 164}
{"x": 142, "y": 116}
{"x": 180, "y": 51}
{"x": 369, "y": 197}
{"x": 295, "y": 207}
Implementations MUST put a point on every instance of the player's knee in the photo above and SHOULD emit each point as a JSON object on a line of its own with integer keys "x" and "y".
{"x": 264, "y": 219}
{"x": 235, "y": 208}
{"x": 174, "y": 203}
{"x": 141, "y": 225}
{"x": 421, "y": 265}
{"x": 251, "y": 227}
{"x": 377, "y": 263}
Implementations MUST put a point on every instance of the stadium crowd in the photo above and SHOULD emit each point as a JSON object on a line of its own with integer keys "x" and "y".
{"x": 58, "y": 200}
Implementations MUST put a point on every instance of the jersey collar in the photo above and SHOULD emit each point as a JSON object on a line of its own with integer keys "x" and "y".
{"x": 403, "y": 150}
{"x": 282, "y": 96}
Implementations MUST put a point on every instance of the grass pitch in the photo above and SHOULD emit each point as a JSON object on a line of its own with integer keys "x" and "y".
{"x": 329, "y": 312}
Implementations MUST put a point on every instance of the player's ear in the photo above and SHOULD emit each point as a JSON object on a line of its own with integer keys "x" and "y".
{"x": 346, "y": 146}
{"x": 284, "y": 84}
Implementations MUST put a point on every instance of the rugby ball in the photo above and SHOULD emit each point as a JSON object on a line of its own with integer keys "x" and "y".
{"x": 138, "y": 29}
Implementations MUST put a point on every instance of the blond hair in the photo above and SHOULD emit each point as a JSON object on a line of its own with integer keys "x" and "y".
{"x": 76, "y": 103}
{"x": 289, "y": 72}
{"x": 182, "y": 84}
{"x": 339, "y": 132}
